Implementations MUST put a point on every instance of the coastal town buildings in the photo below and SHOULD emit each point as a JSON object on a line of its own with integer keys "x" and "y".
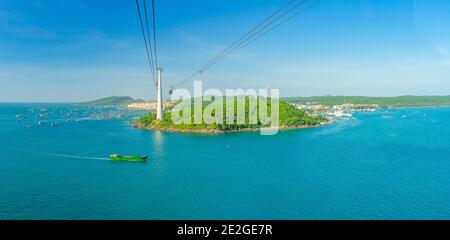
{"x": 149, "y": 105}
{"x": 341, "y": 111}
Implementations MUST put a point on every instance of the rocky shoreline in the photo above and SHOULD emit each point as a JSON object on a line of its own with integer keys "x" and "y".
{"x": 216, "y": 131}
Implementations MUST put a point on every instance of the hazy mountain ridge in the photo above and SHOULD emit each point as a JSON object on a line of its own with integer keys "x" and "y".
{"x": 113, "y": 101}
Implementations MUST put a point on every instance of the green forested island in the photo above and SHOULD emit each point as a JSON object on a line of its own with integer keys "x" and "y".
{"x": 289, "y": 117}
{"x": 113, "y": 101}
{"x": 401, "y": 101}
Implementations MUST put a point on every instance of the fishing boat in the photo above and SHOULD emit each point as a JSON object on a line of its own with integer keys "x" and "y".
{"x": 117, "y": 157}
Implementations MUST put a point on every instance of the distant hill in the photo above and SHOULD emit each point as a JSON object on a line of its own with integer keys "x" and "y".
{"x": 113, "y": 101}
{"x": 401, "y": 101}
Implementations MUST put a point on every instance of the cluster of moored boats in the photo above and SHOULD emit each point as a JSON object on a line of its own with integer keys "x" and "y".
{"x": 55, "y": 116}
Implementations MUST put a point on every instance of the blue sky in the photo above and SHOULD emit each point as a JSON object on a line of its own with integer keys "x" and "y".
{"x": 66, "y": 51}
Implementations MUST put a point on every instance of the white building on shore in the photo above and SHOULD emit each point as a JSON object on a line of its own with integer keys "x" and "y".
{"x": 148, "y": 105}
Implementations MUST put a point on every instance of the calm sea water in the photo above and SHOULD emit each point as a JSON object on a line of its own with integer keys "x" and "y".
{"x": 391, "y": 164}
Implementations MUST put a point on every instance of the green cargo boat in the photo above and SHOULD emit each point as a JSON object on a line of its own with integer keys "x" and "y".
{"x": 117, "y": 157}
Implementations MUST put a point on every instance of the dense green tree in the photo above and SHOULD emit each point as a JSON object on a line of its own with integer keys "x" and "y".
{"x": 289, "y": 116}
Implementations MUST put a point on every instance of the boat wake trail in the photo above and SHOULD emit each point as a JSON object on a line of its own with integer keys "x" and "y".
{"x": 76, "y": 157}
{"x": 62, "y": 155}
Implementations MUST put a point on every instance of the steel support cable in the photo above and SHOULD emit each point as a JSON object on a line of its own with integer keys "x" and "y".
{"x": 247, "y": 34}
{"x": 253, "y": 35}
{"x": 149, "y": 38}
{"x": 269, "y": 30}
{"x": 242, "y": 41}
{"x": 154, "y": 33}
{"x": 145, "y": 42}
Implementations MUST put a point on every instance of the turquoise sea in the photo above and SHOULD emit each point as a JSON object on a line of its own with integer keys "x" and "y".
{"x": 389, "y": 164}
